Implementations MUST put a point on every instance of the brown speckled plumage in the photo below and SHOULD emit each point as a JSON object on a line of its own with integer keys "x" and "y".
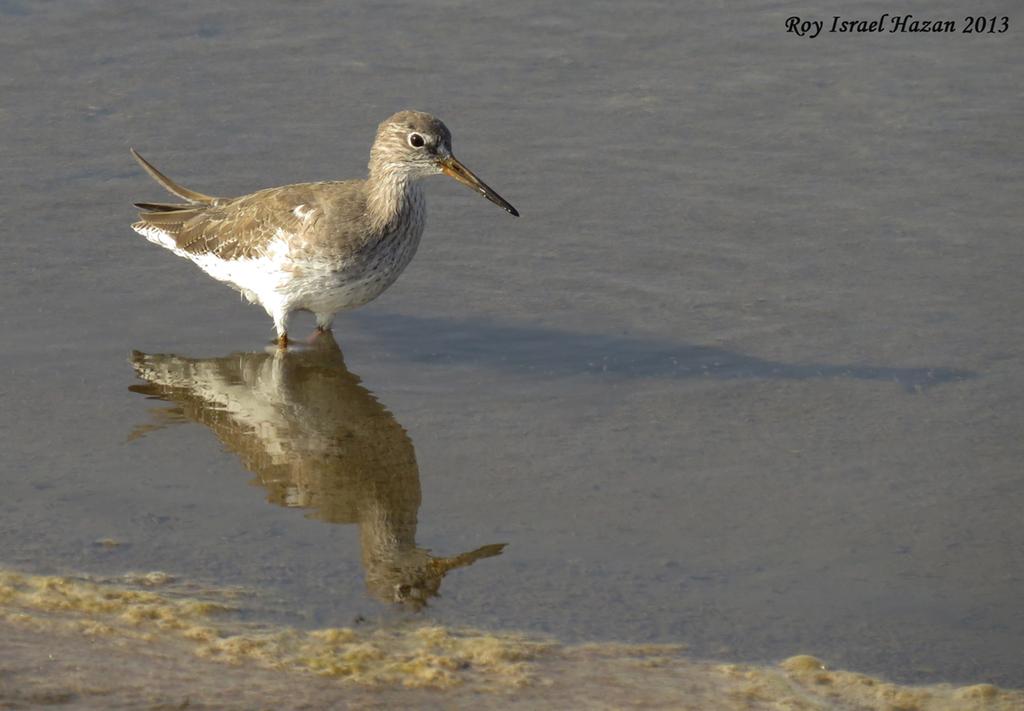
{"x": 324, "y": 246}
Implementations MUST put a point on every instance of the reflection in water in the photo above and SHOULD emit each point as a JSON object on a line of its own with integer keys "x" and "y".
{"x": 316, "y": 439}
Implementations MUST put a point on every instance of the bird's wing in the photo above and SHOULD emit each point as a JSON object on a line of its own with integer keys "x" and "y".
{"x": 241, "y": 228}
{"x": 244, "y": 227}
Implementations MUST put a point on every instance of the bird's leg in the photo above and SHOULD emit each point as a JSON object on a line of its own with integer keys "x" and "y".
{"x": 323, "y": 325}
{"x": 280, "y": 317}
{"x": 323, "y": 322}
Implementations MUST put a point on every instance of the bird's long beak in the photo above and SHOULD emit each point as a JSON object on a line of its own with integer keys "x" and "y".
{"x": 451, "y": 166}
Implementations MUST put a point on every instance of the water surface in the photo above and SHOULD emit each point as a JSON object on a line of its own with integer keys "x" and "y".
{"x": 744, "y": 376}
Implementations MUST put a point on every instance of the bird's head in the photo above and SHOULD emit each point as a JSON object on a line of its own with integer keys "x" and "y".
{"x": 414, "y": 144}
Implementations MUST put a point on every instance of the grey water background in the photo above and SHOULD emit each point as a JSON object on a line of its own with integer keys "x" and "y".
{"x": 746, "y": 375}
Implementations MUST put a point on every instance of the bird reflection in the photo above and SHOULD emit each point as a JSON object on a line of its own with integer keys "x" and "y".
{"x": 315, "y": 439}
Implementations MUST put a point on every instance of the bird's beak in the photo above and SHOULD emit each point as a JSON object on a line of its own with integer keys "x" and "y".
{"x": 451, "y": 166}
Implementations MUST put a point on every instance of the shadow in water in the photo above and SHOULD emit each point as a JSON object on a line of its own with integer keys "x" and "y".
{"x": 550, "y": 352}
{"x": 315, "y": 439}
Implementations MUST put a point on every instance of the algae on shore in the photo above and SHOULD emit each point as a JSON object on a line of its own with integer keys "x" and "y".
{"x": 152, "y": 623}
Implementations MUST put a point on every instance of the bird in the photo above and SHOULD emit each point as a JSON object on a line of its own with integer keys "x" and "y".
{"x": 322, "y": 247}
{"x": 316, "y": 439}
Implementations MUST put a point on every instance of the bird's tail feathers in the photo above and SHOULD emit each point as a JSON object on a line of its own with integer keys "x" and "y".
{"x": 172, "y": 187}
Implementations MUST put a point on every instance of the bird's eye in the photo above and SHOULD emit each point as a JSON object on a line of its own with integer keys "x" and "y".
{"x": 416, "y": 140}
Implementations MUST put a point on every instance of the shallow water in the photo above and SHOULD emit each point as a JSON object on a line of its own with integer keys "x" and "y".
{"x": 745, "y": 376}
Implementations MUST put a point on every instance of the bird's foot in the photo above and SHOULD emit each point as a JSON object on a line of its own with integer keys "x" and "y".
{"x": 320, "y": 331}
